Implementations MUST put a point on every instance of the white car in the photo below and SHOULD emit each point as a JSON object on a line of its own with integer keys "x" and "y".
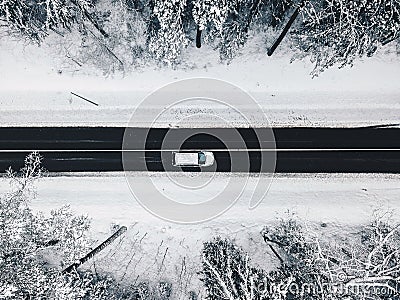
{"x": 193, "y": 159}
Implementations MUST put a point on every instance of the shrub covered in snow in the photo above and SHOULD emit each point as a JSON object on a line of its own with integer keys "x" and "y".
{"x": 340, "y": 31}
{"x": 35, "y": 248}
{"x": 88, "y": 285}
{"x": 300, "y": 263}
{"x": 227, "y": 273}
{"x": 25, "y": 236}
{"x": 34, "y": 19}
{"x": 365, "y": 267}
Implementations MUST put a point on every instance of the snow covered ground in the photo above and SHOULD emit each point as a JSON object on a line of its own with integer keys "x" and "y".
{"x": 312, "y": 109}
{"x": 332, "y": 198}
{"x": 35, "y": 90}
{"x": 332, "y": 204}
{"x": 339, "y": 200}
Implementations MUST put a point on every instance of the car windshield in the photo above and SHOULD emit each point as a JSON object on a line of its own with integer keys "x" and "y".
{"x": 202, "y": 158}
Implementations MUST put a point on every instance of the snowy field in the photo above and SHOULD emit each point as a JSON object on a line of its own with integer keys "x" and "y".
{"x": 305, "y": 109}
{"x": 35, "y": 92}
{"x": 332, "y": 198}
{"x": 331, "y": 204}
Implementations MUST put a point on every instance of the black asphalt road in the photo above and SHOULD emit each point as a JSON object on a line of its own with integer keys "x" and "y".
{"x": 297, "y": 149}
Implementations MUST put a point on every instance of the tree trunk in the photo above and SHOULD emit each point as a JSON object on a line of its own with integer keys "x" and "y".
{"x": 91, "y": 20}
{"x": 285, "y": 30}
{"x": 198, "y": 37}
{"x": 96, "y": 250}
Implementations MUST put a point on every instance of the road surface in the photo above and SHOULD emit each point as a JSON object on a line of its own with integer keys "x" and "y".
{"x": 68, "y": 149}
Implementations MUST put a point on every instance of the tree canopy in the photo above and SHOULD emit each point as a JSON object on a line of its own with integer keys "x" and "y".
{"x": 122, "y": 35}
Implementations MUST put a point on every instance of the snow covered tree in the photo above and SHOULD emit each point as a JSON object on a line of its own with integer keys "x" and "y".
{"x": 235, "y": 29}
{"x": 26, "y": 237}
{"x": 210, "y": 12}
{"x": 366, "y": 267}
{"x": 228, "y": 21}
{"x": 278, "y": 10}
{"x": 336, "y": 32}
{"x": 207, "y": 12}
{"x": 170, "y": 38}
{"x": 300, "y": 263}
{"x": 228, "y": 274}
{"x": 123, "y": 49}
{"x": 241, "y": 15}
{"x": 14, "y": 16}
{"x": 33, "y": 19}
{"x": 369, "y": 266}
{"x": 82, "y": 285}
